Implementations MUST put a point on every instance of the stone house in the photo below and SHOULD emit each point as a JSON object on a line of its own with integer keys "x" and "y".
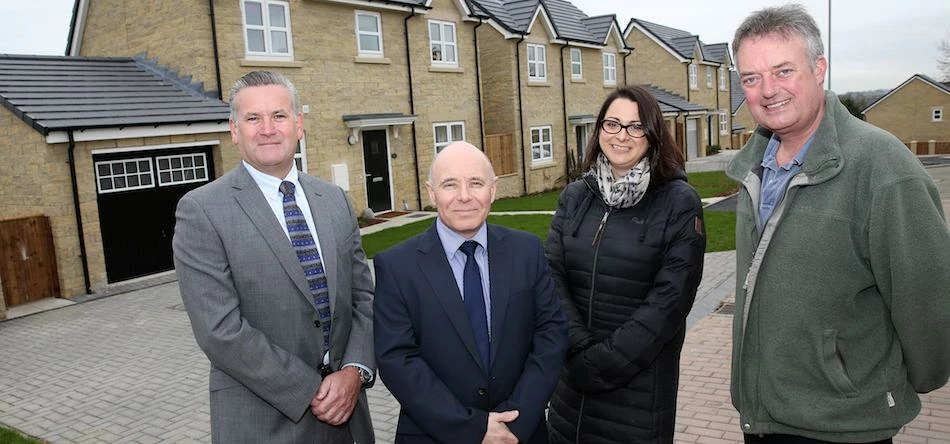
{"x": 679, "y": 62}
{"x": 743, "y": 125}
{"x": 100, "y": 149}
{"x": 915, "y": 112}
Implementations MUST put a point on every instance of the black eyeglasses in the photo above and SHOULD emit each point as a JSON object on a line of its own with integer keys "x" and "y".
{"x": 614, "y": 127}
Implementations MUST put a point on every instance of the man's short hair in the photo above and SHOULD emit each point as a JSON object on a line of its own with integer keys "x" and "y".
{"x": 788, "y": 21}
{"x": 263, "y": 78}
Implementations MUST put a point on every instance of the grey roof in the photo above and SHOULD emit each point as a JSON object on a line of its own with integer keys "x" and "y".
{"x": 684, "y": 43}
{"x": 569, "y": 22}
{"x": 716, "y": 52}
{"x": 57, "y": 93}
{"x": 927, "y": 79}
{"x": 671, "y": 102}
{"x": 738, "y": 95}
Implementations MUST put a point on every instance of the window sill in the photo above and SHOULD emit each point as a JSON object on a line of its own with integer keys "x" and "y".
{"x": 372, "y": 60}
{"x": 542, "y": 164}
{"x": 452, "y": 69}
{"x": 543, "y": 83}
{"x": 578, "y": 81}
{"x": 610, "y": 85}
{"x": 272, "y": 63}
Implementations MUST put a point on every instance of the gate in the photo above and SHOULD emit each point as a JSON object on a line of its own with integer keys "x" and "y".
{"x": 27, "y": 260}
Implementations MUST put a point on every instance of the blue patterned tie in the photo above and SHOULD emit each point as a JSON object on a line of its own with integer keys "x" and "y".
{"x": 475, "y": 301}
{"x": 309, "y": 258}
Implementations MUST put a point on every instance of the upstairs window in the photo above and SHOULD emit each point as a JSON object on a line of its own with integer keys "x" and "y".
{"x": 537, "y": 63}
{"x": 442, "y": 43}
{"x": 709, "y": 77}
{"x": 446, "y": 133}
{"x": 577, "y": 64}
{"x": 610, "y": 68}
{"x": 722, "y": 79}
{"x": 723, "y": 123}
{"x": 937, "y": 114}
{"x": 693, "y": 76}
{"x": 369, "y": 34}
{"x": 267, "y": 29}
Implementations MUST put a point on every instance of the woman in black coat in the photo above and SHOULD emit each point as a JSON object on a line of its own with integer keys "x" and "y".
{"x": 626, "y": 251}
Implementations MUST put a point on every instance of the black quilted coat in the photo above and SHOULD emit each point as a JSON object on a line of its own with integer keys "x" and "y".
{"x": 627, "y": 280}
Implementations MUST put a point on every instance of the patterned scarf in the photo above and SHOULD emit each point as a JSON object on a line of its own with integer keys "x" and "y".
{"x": 626, "y": 191}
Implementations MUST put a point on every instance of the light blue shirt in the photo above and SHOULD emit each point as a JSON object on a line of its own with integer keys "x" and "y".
{"x": 775, "y": 177}
{"x": 451, "y": 241}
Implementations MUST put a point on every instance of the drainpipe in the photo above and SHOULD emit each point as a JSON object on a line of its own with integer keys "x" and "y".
{"x": 478, "y": 85}
{"x": 76, "y": 207}
{"x": 626, "y": 81}
{"x": 567, "y": 145}
{"x": 687, "y": 80}
{"x": 524, "y": 163}
{"x": 412, "y": 105}
{"x": 214, "y": 46}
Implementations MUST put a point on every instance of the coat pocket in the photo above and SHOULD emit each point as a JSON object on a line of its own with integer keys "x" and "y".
{"x": 833, "y": 365}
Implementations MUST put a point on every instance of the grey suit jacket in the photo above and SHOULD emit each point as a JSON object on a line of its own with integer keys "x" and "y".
{"x": 248, "y": 302}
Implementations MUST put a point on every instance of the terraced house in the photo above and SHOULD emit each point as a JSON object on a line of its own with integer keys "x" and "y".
{"x": 914, "y": 111}
{"x": 679, "y": 62}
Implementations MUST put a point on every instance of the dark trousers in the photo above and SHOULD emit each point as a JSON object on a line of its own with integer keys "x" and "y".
{"x": 792, "y": 439}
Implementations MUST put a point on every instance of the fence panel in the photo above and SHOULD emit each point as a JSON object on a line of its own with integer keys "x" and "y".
{"x": 499, "y": 149}
{"x": 27, "y": 260}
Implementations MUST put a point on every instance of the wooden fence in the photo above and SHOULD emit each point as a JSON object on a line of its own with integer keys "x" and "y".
{"x": 499, "y": 149}
{"x": 27, "y": 260}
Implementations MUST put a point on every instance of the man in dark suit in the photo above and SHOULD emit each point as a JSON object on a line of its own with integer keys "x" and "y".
{"x": 274, "y": 279}
{"x": 469, "y": 332}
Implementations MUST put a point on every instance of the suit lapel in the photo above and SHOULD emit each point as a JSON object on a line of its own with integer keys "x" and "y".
{"x": 436, "y": 269}
{"x": 499, "y": 271}
{"x": 248, "y": 196}
{"x": 320, "y": 209}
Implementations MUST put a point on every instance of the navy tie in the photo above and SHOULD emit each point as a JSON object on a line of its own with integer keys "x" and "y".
{"x": 475, "y": 301}
{"x": 309, "y": 258}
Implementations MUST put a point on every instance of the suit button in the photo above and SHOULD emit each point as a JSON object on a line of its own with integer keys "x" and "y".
{"x": 316, "y": 323}
{"x": 482, "y": 392}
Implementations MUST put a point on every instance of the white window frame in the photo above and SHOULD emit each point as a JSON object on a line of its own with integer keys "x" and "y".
{"x": 447, "y": 47}
{"x": 577, "y": 65}
{"x": 722, "y": 78}
{"x": 539, "y": 63}
{"x": 693, "y": 76}
{"x": 448, "y": 126}
{"x": 301, "y": 154}
{"x": 723, "y": 123}
{"x": 171, "y": 169}
{"x": 936, "y": 114}
{"x": 543, "y": 144}
{"x": 709, "y": 77}
{"x": 610, "y": 68}
{"x": 124, "y": 175}
{"x": 360, "y": 33}
{"x": 268, "y": 29}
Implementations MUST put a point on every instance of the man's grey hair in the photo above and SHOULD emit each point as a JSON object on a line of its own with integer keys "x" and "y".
{"x": 263, "y": 78}
{"x": 788, "y": 21}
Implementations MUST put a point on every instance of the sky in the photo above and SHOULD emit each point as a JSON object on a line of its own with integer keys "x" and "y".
{"x": 875, "y": 44}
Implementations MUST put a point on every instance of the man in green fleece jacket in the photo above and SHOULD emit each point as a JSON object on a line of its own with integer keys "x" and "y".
{"x": 842, "y": 251}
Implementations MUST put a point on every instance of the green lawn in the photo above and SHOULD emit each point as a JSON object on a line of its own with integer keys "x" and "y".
{"x": 8, "y": 436}
{"x": 720, "y": 230}
{"x": 713, "y": 184}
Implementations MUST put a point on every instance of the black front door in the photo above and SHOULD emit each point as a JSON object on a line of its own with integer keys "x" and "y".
{"x": 376, "y": 163}
{"x": 137, "y": 196}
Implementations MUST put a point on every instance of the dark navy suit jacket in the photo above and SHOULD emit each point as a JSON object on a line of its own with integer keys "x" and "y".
{"x": 426, "y": 350}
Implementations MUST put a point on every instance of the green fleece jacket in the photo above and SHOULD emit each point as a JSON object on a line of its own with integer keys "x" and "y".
{"x": 843, "y": 297}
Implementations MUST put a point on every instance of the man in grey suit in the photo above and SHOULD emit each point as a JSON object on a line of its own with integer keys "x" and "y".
{"x": 275, "y": 281}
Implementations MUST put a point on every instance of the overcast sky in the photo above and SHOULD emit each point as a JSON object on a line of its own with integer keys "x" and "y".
{"x": 875, "y": 44}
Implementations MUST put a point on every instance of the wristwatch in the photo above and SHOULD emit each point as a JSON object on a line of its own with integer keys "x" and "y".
{"x": 365, "y": 376}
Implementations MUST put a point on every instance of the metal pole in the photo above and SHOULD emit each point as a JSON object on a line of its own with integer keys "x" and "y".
{"x": 829, "y": 45}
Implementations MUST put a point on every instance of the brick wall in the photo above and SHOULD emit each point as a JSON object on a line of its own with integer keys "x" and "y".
{"x": 908, "y": 113}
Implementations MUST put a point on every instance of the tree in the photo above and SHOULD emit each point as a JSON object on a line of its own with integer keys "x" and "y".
{"x": 855, "y": 104}
{"x": 943, "y": 60}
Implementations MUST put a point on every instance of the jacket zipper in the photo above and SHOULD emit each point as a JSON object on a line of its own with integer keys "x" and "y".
{"x": 598, "y": 236}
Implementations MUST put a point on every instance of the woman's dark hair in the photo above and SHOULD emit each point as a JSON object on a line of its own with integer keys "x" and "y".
{"x": 665, "y": 156}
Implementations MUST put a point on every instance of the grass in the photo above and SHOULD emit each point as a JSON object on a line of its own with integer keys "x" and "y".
{"x": 9, "y": 436}
{"x": 713, "y": 184}
{"x": 546, "y": 201}
{"x": 720, "y": 230}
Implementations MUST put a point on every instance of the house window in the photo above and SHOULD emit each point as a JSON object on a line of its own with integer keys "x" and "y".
{"x": 300, "y": 156}
{"x": 723, "y": 124}
{"x": 369, "y": 35}
{"x": 693, "y": 74}
{"x": 182, "y": 168}
{"x": 267, "y": 29}
{"x": 541, "y": 149}
{"x": 937, "y": 114}
{"x": 446, "y": 133}
{"x": 442, "y": 43}
{"x": 610, "y": 68}
{"x": 722, "y": 79}
{"x": 537, "y": 65}
{"x": 709, "y": 77}
{"x": 577, "y": 64}
{"x": 124, "y": 175}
